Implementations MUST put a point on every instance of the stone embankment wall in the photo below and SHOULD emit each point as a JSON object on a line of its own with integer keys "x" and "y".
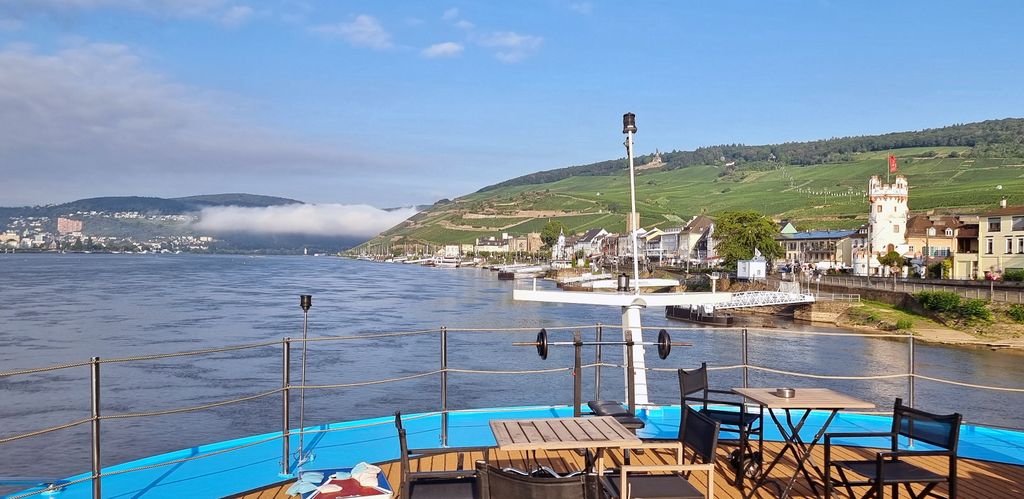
{"x": 822, "y": 311}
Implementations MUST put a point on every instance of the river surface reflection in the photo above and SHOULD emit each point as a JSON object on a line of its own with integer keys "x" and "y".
{"x": 58, "y": 309}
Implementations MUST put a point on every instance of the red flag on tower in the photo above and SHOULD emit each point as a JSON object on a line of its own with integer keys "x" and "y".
{"x": 892, "y": 163}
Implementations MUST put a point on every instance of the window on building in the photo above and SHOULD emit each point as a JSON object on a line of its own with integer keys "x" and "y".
{"x": 989, "y": 244}
{"x": 879, "y": 208}
{"x": 1020, "y": 245}
{"x": 896, "y": 228}
{"x": 931, "y": 231}
{"x": 1009, "y": 245}
{"x": 993, "y": 224}
{"x": 1018, "y": 223}
{"x": 949, "y": 232}
{"x": 911, "y": 248}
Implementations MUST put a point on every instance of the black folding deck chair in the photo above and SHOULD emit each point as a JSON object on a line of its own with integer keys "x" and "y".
{"x": 942, "y": 432}
{"x": 744, "y": 460}
{"x": 441, "y": 484}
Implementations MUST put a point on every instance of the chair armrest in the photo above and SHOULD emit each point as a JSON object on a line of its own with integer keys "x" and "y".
{"x": 858, "y": 434}
{"x": 914, "y": 453}
{"x": 414, "y": 475}
{"x": 447, "y": 450}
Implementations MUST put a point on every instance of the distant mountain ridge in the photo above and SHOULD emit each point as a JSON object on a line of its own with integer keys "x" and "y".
{"x": 991, "y": 138}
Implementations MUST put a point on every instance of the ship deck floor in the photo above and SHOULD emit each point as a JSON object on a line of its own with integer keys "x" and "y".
{"x": 976, "y": 479}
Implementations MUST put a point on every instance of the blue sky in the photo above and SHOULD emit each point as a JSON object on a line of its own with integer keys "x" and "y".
{"x": 399, "y": 103}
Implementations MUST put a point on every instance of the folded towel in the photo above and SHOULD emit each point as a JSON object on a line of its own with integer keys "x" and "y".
{"x": 365, "y": 474}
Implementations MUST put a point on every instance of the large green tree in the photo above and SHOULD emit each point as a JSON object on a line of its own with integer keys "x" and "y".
{"x": 893, "y": 260}
{"x": 549, "y": 234}
{"x": 738, "y": 233}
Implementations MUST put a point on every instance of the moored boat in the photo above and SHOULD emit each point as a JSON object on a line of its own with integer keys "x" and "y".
{"x": 699, "y": 315}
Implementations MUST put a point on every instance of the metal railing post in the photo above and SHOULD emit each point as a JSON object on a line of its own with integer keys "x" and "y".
{"x": 577, "y": 374}
{"x": 597, "y": 360}
{"x": 630, "y": 376}
{"x": 286, "y": 362}
{"x": 96, "y": 466}
{"x": 910, "y": 371}
{"x": 745, "y": 363}
{"x": 444, "y": 386}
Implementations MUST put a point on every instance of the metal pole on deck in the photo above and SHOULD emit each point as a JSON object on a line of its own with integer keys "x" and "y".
{"x": 286, "y": 362}
{"x": 444, "y": 386}
{"x": 577, "y": 374}
{"x": 597, "y": 360}
{"x": 911, "y": 370}
{"x": 630, "y": 377}
{"x": 96, "y": 467}
{"x": 745, "y": 363}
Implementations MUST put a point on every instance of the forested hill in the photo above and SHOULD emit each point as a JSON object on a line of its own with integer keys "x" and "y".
{"x": 992, "y": 138}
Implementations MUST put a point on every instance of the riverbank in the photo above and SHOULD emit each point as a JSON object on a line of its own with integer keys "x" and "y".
{"x": 877, "y": 317}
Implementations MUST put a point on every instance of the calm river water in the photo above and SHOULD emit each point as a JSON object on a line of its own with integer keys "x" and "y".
{"x": 58, "y": 309}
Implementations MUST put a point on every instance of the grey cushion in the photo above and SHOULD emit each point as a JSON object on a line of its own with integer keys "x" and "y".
{"x": 464, "y": 488}
{"x": 656, "y": 487}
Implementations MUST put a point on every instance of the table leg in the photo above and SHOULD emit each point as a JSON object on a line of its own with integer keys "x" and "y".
{"x": 803, "y": 451}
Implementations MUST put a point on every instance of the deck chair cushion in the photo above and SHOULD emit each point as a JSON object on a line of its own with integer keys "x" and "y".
{"x": 459, "y": 488}
{"x": 511, "y": 485}
{"x": 615, "y": 410}
{"x": 656, "y": 487}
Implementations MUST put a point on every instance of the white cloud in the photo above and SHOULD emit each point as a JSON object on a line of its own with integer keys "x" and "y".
{"x": 364, "y": 31}
{"x": 446, "y": 49}
{"x": 96, "y": 118}
{"x": 314, "y": 219}
{"x": 464, "y": 24}
{"x": 511, "y": 47}
{"x": 450, "y": 14}
{"x": 237, "y": 15}
{"x": 582, "y": 7}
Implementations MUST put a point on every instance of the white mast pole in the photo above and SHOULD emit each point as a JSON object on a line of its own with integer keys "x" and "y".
{"x": 631, "y": 327}
{"x": 629, "y": 128}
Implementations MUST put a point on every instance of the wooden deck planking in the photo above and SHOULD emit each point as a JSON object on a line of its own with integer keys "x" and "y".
{"x": 977, "y": 479}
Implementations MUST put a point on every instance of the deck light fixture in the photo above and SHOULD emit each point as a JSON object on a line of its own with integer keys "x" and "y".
{"x": 623, "y": 283}
{"x": 305, "y": 301}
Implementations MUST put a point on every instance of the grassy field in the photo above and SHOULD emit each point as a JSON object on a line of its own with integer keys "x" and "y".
{"x": 819, "y": 196}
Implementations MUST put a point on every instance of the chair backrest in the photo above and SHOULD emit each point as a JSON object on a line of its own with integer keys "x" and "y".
{"x": 693, "y": 381}
{"x": 699, "y": 433}
{"x": 941, "y": 430}
{"x": 504, "y": 485}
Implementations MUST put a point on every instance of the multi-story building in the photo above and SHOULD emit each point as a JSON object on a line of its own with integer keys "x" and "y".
{"x": 932, "y": 236}
{"x": 695, "y": 240}
{"x": 832, "y": 247}
{"x": 1001, "y": 240}
{"x": 590, "y": 242}
{"x": 68, "y": 226}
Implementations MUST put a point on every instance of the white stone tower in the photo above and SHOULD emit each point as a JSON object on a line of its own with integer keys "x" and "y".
{"x": 887, "y": 221}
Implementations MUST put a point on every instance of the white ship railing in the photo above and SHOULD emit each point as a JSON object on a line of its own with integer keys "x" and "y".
{"x": 442, "y": 370}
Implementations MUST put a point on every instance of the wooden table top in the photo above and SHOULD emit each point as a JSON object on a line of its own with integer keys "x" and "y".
{"x": 561, "y": 433}
{"x": 805, "y": 398}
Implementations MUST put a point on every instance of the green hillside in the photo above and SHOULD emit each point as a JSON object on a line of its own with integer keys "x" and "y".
{"x": 957, "y": 179}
